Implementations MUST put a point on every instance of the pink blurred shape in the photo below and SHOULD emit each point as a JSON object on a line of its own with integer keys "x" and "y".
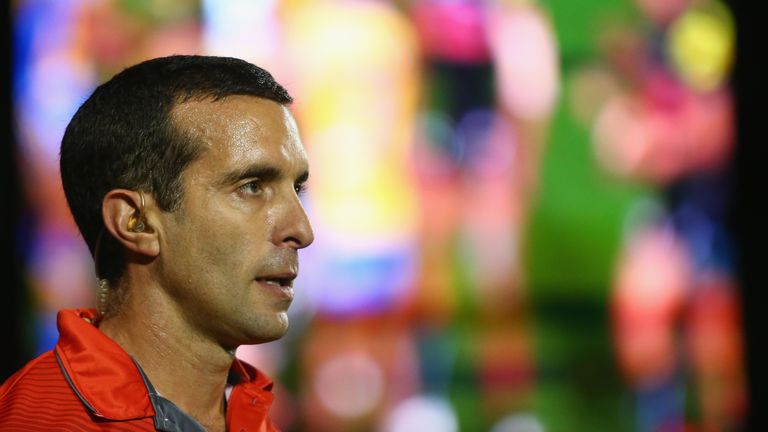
{"x": 653, "y": 276}
{"x": 662, "y": 11}
{"x": 451, "y": 30}
{"x": 527, "y": 67}
{"x": 664, "y": 130}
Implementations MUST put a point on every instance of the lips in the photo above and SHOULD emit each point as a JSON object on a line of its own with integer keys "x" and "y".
{"x": 279, "y": 284}
{"x": 284, "y": 279}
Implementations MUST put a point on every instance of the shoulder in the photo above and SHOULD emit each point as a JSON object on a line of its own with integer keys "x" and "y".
{"x": 38, "y": 391}
{"x": 42, "y": 369}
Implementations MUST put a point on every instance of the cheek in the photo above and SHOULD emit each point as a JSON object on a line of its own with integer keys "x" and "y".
{"x": 198, "y": 246}
{"x": 221, "y": 244}
{"x": 230, "y": 244}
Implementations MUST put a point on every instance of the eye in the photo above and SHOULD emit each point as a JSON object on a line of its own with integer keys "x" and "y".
{"x": 300, "y": 188}
{"x": 252, "y": 187}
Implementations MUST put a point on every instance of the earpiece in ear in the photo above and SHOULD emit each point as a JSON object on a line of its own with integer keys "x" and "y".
{"x": 136, "y": 223}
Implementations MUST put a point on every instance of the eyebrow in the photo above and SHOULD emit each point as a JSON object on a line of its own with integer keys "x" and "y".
{"x": 265, "y": 173}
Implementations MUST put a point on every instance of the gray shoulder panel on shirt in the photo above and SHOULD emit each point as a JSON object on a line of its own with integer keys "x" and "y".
{"x": 168, "y": 417}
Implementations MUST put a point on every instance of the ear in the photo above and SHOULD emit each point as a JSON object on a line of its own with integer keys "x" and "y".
{"x": 125, "y": 215}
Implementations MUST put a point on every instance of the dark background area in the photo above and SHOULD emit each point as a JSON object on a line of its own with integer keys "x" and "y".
{"x": 749, "y": 180}
{"x": 13, "y": 291}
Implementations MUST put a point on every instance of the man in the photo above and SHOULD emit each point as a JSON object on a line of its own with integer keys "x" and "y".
{"x": 183, "y": 174}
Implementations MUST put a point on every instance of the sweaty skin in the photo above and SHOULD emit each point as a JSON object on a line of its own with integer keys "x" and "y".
{"x": 221, "y": 276}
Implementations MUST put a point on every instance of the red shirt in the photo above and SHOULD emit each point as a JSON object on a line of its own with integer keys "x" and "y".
{"x": 89, "y": 383}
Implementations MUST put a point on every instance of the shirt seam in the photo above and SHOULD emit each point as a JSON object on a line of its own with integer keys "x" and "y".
{"x": 72, "y": 385}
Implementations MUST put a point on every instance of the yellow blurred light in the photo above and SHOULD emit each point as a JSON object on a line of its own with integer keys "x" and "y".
{"x": 356, "y": 80}
{"x": 700, "y": 43}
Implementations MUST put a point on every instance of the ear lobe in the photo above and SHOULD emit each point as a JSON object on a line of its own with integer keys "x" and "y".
{"x": 124, "y": 213}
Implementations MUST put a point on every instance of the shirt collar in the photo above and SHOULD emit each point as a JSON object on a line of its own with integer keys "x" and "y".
{"x": 109, "y": 383}
{"x": 99, "y": 370}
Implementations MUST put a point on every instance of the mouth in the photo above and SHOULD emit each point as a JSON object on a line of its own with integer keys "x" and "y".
{"x": 280, "y": 285}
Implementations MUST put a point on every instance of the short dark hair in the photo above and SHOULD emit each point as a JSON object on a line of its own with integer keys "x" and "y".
{"x": 123, "y": 136}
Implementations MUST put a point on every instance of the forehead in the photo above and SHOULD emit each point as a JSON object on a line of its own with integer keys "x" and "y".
{"x": 237, "y": 131}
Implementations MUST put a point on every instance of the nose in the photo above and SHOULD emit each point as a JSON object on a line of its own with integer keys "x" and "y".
{"x": 293, "y": 227}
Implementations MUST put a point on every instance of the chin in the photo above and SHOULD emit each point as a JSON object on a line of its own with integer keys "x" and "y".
{"x": 269, "y": 335}
{"x": 261, "y": 328}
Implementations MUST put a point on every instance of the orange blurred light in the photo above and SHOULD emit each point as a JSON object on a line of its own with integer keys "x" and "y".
{"x": 652, "y": 278}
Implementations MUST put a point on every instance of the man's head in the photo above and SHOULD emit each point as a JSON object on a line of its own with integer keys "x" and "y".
{"x": 210, "y": 145}
{"x": 123, "y": 136}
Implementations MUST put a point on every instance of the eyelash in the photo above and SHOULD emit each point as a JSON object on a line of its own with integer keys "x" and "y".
{"x": 300, "y": 188}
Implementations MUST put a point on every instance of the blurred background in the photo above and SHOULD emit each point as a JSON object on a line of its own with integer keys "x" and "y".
{"x": 526, "y": 211}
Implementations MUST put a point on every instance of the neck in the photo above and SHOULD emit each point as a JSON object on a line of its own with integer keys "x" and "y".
{"x": 183, "y": 366}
